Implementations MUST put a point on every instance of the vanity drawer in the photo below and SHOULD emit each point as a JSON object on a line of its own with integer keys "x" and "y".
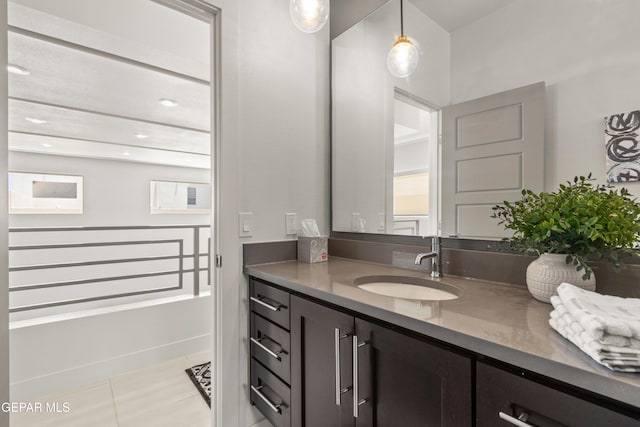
{"x": 270, "y": 303}
{"x": 270, "y": 345}
{"x": 270, "y": 395}
{"x": 502, "y": 397}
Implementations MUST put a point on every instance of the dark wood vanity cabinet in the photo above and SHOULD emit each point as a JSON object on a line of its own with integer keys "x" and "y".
{"x": 269, "y": 340}
{"x": 304, "y": 356}
{"x": 401, "y": 381}
{"x": 507, "y": 399}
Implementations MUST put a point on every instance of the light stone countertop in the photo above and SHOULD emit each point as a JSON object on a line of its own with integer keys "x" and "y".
{"x": 499, "y": 321}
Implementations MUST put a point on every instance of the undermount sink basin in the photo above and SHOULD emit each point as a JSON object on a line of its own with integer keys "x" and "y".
{"x": 407, "y": 287}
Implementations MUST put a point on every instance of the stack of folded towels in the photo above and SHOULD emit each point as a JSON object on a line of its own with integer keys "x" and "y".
{"x": 607, "y": 328}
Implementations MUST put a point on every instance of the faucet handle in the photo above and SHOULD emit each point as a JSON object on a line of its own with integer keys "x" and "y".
{"x": 435, "y": 243}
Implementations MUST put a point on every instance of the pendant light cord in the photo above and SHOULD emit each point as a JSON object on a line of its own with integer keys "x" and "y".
{"x": 401, "y": 20}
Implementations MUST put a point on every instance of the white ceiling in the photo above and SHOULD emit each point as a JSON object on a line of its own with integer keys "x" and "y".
{"x": 98, "y": 89}
{"x": 454, "y": 14}
{"x": 82, "y": 148}
{"x": 78, "y": 124}
{"x": 69, "y": 77}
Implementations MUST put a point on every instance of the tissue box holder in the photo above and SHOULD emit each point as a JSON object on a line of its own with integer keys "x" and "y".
{"x": 312, "y": 249}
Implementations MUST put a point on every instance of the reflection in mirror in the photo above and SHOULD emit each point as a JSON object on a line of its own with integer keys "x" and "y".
{"x": 415, "y": 142}
{"x": 578, "y": 48}
{"x": 384, "y": 129}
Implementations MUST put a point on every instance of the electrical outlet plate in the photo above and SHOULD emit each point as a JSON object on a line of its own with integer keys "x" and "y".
{"x": 290, "y": 223}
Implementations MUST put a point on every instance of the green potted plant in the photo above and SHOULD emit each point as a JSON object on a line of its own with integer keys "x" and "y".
{"x": 578, "y": 222}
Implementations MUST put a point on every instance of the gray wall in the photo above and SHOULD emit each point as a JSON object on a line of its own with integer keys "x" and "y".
{"x": 274, "y": 159}
{"x": 115, "y": 192}
{"x": 345, "y": 13}
{"x": 579, "y": 49}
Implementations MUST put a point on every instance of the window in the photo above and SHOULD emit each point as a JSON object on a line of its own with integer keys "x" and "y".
{"x": 191, "y": 196}
{"x": 411, "y": 194}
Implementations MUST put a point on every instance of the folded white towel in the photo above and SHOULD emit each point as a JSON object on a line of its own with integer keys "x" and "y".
{"x": 606, "y": 339}
{"x": 562, "y": 315}
{"x": 587, "y": 342}
{"x": 604, "y": 317}
{"x": 619, "y": 341}
{"x": 613, "y": 363}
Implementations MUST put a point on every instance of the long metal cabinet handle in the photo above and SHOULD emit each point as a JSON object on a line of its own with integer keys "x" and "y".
{"x": 337, "y": 337}
{"x": 515, "y": 421}
{"x": 263, "y": 347}
{"x": 264, "y": 304}
{"x": 355, "y": 375}
{"x": 274, "y": 408}
{"x": 356, "y": 400}
{"x": 336, "y": 343}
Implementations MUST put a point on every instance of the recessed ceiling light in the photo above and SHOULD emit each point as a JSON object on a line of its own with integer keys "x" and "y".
{"x": 44, "y": 144}
{"x": 16, "y": 69}
{"x": 35, "y": 121}
{"x": 167, "y": 102}
{"x": 126, "y": 153}
{"x": 141, "y": 136}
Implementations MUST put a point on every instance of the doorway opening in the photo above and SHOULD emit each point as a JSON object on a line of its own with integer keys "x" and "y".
{"x": 415, "y": 166}
{"x": 113, "y": 135}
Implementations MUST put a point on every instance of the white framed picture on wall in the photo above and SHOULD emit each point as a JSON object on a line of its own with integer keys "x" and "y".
{"x": 43, "y": 193}
{"x": 171, "y": 197}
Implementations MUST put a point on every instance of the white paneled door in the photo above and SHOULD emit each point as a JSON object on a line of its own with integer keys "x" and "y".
{"x": 492, "y": 148}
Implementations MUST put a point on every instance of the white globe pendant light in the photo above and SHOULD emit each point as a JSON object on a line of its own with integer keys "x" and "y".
{"x": 309, "y": 15}
{"x": 403, "y": 57}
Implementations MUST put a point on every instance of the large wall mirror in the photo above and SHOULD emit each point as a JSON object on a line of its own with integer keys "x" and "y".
{"x": 392, "y": 138}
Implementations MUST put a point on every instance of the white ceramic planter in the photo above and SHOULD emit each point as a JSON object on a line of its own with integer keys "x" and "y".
{"x": 550, "y": 270}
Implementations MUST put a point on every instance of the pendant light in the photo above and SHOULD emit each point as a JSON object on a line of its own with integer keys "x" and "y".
{"x": 309, "y": 15}
{"x": 403, "y": 56}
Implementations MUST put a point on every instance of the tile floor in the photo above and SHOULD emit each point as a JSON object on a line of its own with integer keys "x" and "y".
{"x": 156, "y": 396}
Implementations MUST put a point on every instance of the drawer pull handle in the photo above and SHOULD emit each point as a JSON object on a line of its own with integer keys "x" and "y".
{"x": 356, "y": 400}
{"x": 263, "y": 347}
{"x": 274, "y": 408}
{"x": 264, "y": 304}
{"x": 520, "y": 421}
{"x": 337, "y": 336}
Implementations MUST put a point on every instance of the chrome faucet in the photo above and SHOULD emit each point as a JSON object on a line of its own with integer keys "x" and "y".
{"x": 434, "y": 255}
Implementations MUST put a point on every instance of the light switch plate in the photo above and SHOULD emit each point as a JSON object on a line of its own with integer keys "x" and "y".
{"x": 381, "y": 222}
{"x": 355, "y": 222}
{"x": 245, "y": 224}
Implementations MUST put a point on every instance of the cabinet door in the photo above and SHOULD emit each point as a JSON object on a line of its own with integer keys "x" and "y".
{"x": 505, "y": 399}
{"x": 316, "y": 397}
{"x": 408, "y": 382}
